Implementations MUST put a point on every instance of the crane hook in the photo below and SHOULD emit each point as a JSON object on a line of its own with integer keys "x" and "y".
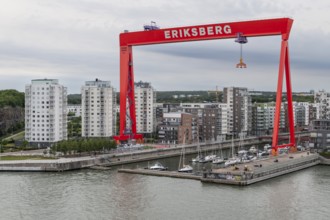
{"x": 241, "y": 40}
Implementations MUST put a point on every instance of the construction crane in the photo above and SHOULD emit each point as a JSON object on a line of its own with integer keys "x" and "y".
{"x": 216, "y": 92}
{"x": 238, "y": 30}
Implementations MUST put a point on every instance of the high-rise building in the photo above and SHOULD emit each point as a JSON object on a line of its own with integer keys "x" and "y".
{"x": 323, "y": 99}
{"x": 145, "y": 98}
{"x": 45, "y": 112}
{"x": 98, "y": 102}
{"x": 239, "y": 110}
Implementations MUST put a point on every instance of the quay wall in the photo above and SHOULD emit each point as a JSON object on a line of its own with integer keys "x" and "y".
{"x": 146, "y": 155}
{"x": 324, "y": 161}
{"x": 46, "y": 165}
{"x": 247, "y": 178}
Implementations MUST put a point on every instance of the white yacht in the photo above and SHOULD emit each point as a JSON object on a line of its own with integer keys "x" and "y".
{"x": 232, "y": 161}
{"x": 210, "y": 158}
{"x": 186, "y": 169}
{"x": 218, "y": 160}
{"x": 157, "y": 166}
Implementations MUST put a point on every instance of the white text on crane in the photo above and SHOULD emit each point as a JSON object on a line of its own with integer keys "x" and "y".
{"x": 197, "y": 31}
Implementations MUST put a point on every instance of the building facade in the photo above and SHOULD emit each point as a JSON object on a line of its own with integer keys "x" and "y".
{"x": 45, "y": 112}
{"x": 145, "y": 109}
{"x": 263, "y": 116}
{"x": 322, "y": 98}
{"x": 176, "y": 128}
{"x": 75, "y": 109}
{"x": 239, "y": 115}
{"x": 98, "y": 101}
{"x": 320, "y": 134}
{"x": 210, "y": 119}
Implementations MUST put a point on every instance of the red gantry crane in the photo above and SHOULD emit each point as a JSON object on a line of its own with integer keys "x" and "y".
{"x": 152, "y": 34}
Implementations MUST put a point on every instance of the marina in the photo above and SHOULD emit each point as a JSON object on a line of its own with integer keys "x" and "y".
{"x": 243, "y": 173}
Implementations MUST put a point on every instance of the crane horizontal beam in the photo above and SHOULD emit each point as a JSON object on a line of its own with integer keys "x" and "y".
{"x": 254, "y": 28}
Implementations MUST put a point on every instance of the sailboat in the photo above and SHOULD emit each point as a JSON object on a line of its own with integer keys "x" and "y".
{"x": 199, "y": 158}
{"x": 182, "y": 166}
{"x": 186, "y": 168}
{"x": 233, "y": 160}
{"x": 218, "y": 159}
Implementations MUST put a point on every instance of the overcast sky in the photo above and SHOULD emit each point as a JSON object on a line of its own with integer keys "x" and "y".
{"x": 77, "y": 41}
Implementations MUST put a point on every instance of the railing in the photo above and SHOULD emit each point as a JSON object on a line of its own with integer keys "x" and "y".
{"x": 285, "y": 166}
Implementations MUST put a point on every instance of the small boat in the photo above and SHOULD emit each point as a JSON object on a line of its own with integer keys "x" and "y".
{"x": 202, "y": 160}
{"x": 210, "y": 158}
{"x": 218, "y": 160}
{"x": 186, "y": 169}
{"x": 253, "y": 150}
{"x": 196, "y": 159}
{"x": 157, "y": 166}
{"x": 232, "y": 161}
{"x": 182, "y": 166}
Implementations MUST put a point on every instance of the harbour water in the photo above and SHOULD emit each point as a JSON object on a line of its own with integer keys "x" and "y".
{"x": 95, "y": 194}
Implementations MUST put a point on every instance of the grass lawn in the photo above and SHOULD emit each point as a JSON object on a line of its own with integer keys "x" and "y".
{"x": 17, "y": 136}
{"x": 326, "y": 155}
{"x": 25, "y": 157}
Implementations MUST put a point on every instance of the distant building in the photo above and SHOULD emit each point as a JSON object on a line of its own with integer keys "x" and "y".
{"x": 75, "y": 109}
{"x": 239, "y": 110}
{"x": 210, "y": 118}
{"x": 322, "y": 98}
{"x": 45, "y": 112}
{"x": 320, "y": 133}
{"x": 145, "y": 98}
{"x": 98, "y": 100}
{"x": 176, "y": 128}
{"x": 263, "y": 116}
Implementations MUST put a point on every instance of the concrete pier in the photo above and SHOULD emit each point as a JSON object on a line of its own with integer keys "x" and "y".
{"x": 244, "y": 174}
{"x": 56, "y": 165}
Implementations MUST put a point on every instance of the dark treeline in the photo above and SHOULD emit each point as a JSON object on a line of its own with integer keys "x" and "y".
{"x": 74, "y": 99}
{"x": 202, "y": 96}
{"x": 90, "y": 145}
{"x": 11, "y": 98}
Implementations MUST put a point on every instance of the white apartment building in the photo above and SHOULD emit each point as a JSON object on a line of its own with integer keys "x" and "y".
{"x": 145, "y": 98}
{"x": 45, "y": 112}
{"x": 98, "y": 102}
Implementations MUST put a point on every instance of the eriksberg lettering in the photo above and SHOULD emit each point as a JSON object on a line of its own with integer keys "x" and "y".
{"x": 197, "y": 31}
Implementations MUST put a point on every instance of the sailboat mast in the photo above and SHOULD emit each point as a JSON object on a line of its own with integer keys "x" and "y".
{"x": 232, "y": 146}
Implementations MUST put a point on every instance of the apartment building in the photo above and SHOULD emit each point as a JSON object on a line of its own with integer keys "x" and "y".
{"x": 45, "y": 112}
{"x": 322, "y": 98}
{"x": 263, "y": 118}
{"x": 176, "y": 128}
{"x": 98, "y": 102}
{"x": 210, "y": 119}
{"x": 145, "y": 109}
{"x": 239, "y": 105}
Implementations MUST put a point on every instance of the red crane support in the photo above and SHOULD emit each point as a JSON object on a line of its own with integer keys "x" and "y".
{"x": 254, "y": 28}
